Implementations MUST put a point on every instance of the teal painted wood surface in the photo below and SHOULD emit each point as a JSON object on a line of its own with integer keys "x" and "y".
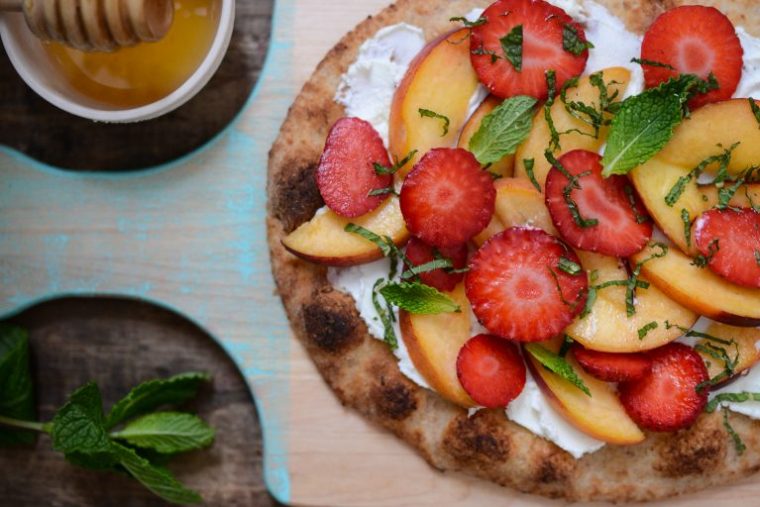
{"x": 189, "y": 236}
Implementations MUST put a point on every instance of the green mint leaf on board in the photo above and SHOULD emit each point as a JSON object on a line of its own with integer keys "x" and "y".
{"x": 512, "y": 45}
{"x": 155, "y": 393}
{"x": 418, "y": 298}
{"x": 167, "y": 432}
{"x": 739, "y": 445}
{"x": 16, "y": 389}
{"x": 644, "y": 330}
{"x": 642, "y": 127}
{"x": 557, "y": 365}
{"x": 529, "y": 164}
{"x": 503, "y": 129}
{"x": 79, "y": 425}
{"x": 156, "y": 479}
{"x": 572, "y": 42}
{"x": 467, "y": 23}
{"x": 755, "y": 110}
{"x": 740, "y": 397}
{"x": 427, "y": 113}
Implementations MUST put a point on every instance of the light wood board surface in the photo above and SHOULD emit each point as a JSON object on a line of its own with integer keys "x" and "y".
{"x": 190, "y": 236}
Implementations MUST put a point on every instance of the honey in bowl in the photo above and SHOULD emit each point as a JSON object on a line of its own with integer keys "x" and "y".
{"x": 142, "y": 74}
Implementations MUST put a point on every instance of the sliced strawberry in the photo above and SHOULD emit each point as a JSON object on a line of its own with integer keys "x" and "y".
{"x": 667, "y": 398}
{"x": 623, "y": 227}
{"x": 447, "y": 198}
{"x": 612, "y": 367}
{"x": 491, "y": 370}
{"x": 346, "y": 174}
{"x": 517, "y": 289}
{"x": 543, "y": 29}
{"x": 419, "y": 252}
{"x": 694, "y": 40}
{"x": 730, "y": 241}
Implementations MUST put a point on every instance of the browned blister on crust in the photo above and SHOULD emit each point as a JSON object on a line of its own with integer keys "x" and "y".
{"x": 363, "y": 372}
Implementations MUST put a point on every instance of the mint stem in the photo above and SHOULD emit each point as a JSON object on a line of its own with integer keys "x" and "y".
{"x": 25, "y": 425}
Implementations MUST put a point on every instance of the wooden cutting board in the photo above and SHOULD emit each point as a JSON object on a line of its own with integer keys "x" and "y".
{"x": 190, "y": 236}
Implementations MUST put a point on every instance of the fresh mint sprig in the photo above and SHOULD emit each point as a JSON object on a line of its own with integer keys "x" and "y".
{"x": 87, "y": 437}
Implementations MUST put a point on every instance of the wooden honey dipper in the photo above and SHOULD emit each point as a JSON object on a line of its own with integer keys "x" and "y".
{"x": 96, "y": 25}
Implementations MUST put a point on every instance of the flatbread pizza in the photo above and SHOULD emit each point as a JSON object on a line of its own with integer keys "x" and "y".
{"x": 363, "y": 371}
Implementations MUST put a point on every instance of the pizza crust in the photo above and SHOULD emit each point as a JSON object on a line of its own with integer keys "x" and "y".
{"x": 363, "y": 373}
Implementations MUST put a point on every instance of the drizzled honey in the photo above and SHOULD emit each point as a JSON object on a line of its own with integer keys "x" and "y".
{"x": 139, "y": 75}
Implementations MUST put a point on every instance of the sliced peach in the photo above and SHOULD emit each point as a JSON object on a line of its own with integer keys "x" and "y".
{"x": 710, "y": 130}
{"x": 440, "y": 79}
{"x": 434, "y": 342}
{"x": 745, "y": 339}
{"x": 323, "y": 239}
{"x": 655, "y": 179}
{"x": 607, "y": 327}
{"x": 580, "y": 134}
{"x": 700, "y": 290}
{"x": 504, "y": 167}
{"x": 600, "y": 415}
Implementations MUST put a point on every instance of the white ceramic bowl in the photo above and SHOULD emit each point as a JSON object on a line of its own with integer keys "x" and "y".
{"x": 31, "y": 62}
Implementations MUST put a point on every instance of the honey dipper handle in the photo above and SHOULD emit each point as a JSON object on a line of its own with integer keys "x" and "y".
{"x": 11, "y": 5}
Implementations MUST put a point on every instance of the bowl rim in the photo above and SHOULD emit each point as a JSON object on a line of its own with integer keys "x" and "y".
{"x": 192, "y": 85}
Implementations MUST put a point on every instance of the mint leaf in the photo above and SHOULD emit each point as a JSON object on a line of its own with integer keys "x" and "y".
{"x": 738, "y": 443}
{"x": 154, "y": 393}
{"x": 467, "y": 23}
{"x": 503, "y": 129}
{"x": 386, "y": 315}
{"x": 79, "y": 425}
{"x": 652, "y": 63}
{"x": 529, "y": 164}
{"x": 569, "y": 267}
{"x": 572, "y": 42}
{"x": 642, "y": 127}
{"x": 427, "y": 113}
{"x": 16, "y": 390}
{"x": 381, "y": 169}
{"x": 644, "y": 330}
{"x": 686, "y": 219}
{"x": 418, "y": 298}
{"x": 167, "y": 432}
{"x": 512, "y": 45}
{"x": 156, "y": 479}
{"x": 557, "y": 365}
{"x": 755, "y": 109}
{"x": 740, "y": 397}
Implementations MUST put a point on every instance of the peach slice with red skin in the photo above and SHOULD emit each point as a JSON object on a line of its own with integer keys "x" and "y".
{"x": 600, "y": 415}
{"x": 434, "y": 341}
{"x": 426, "y": 86}
{"x": 324, "y": 240}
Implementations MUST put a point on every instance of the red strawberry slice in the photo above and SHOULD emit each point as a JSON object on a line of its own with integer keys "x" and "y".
{"x": 623, "y": 227}
{"x": 346, "y": 174}
{"x": 666, "y": 398}
{"x": 730, "y": 240}
{"x": 517, "y": 289}
{"x": 612, "y": 367}
{"x": 418, "y": 252}
{"x": 543, "y": 28}
{"x": 447, "y": 198}
{"x": 694, "y": 40}
{"x": 491, "y": 370}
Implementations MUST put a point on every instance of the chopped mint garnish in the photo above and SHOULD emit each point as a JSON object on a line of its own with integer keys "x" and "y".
{"x": 481, "y": 51}
{"x": 427, "y": 113}
{"x": 426, "y": 267}
{"x": 640, "y": 219}
{"x": 551, "y": 84}
{"x": 418, "y": 298}
{"x": 738, "y": 443}
{"x": 645, "y": 123}
{"x": 382, "y": 191}
{"x": 385, "y": 312}
{"x": 567, "y": 191}
{"x": 651, "y": 63}
{"x": 633, "y": 281}
{"x": 557, "y": 365}
{"x": 569, "y": 267}
{"x": 755, "y": 110}
{"x": 686, "y": 219}
{"x": 381, "y": 243}
{"x": 381, "y": 169}
{"x": 701, "y": 261}
{"x": 512, "y": 45}
{"x": 723, "y": 159}
{"x": 467, "y": 23}
{"x": 572, "y": 42}
{"x": 529, "y": 164}
{"x": 740, "y": 397}
{"x": 503, "y": 129}
{"x": 644, "y": 330}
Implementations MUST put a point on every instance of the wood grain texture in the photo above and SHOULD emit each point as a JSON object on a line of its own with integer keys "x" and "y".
{"x": 31, "y": 125}
{"x": 120, "y": 343}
